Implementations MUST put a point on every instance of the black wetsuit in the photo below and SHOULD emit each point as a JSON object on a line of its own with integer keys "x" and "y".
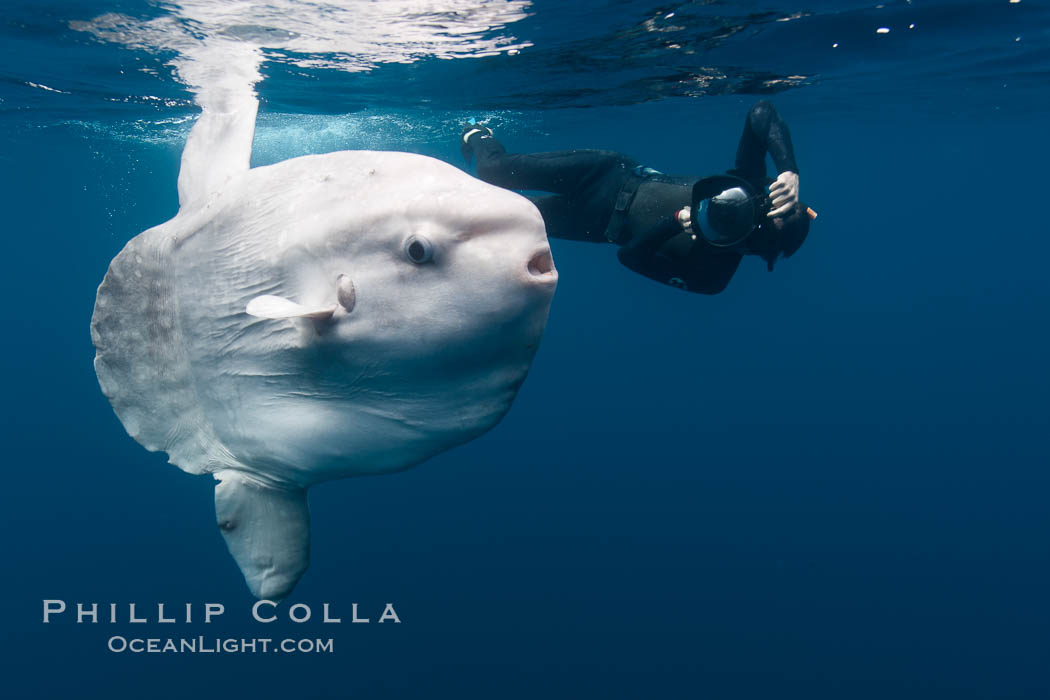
{"x": 587, "y": 184}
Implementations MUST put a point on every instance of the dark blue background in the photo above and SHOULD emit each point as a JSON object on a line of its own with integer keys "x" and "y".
{"x": 829, "y": 481}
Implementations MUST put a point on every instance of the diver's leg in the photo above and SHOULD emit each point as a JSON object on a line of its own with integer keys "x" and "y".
{"x": 564, "y": 217}
{"x": 562, "y": 172}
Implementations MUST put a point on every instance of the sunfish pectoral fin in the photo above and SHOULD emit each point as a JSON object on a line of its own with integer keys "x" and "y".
{"x": 267, "y": 530}
{"x": 268, "y": 306}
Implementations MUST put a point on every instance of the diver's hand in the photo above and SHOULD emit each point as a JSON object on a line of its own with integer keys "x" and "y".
{"x": 783, "y": 193}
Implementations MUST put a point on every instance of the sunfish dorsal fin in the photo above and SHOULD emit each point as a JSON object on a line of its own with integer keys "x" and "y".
{"x": 273, "y": 307}
{"x": 222, "y": 74}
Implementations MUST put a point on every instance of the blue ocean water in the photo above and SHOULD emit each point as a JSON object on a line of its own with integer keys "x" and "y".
{"x": 828, "y": 481}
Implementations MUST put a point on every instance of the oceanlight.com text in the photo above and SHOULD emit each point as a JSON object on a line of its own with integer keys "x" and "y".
{"x": 218, "y": 645}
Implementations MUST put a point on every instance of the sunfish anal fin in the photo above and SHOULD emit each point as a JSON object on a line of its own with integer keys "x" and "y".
{"x": 273, "y": 307}
{"x": 267, "y": 530}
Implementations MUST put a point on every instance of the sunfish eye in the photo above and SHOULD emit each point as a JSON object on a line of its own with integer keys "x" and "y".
{"x": 418, "y": 249}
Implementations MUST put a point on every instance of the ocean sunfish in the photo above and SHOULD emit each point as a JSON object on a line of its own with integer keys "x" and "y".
{"x": 327, "y": 316}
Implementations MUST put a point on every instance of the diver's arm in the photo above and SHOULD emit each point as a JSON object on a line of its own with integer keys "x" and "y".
{"x": 766, "y": 132}
{"x": 685, "y": 264}
{"x": 703, "y": 274}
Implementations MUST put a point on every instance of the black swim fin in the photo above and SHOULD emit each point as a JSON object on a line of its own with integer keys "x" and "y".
{"x": 471, "y": 131}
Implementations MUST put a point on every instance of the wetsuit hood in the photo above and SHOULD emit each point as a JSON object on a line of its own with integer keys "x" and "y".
{"x": 771, "y": 242}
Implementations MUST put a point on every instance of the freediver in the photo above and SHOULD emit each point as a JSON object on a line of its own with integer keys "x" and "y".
{"x": 686, "y": 232}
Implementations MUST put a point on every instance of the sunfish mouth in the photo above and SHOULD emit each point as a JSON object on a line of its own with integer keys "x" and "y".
{"x": 541, "y": 266}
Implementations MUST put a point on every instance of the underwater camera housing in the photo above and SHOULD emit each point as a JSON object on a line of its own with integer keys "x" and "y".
{"x": 726, "y": 209}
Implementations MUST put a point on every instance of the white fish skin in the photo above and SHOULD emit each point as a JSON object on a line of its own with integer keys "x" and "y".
{"x": 421, "y": 295}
